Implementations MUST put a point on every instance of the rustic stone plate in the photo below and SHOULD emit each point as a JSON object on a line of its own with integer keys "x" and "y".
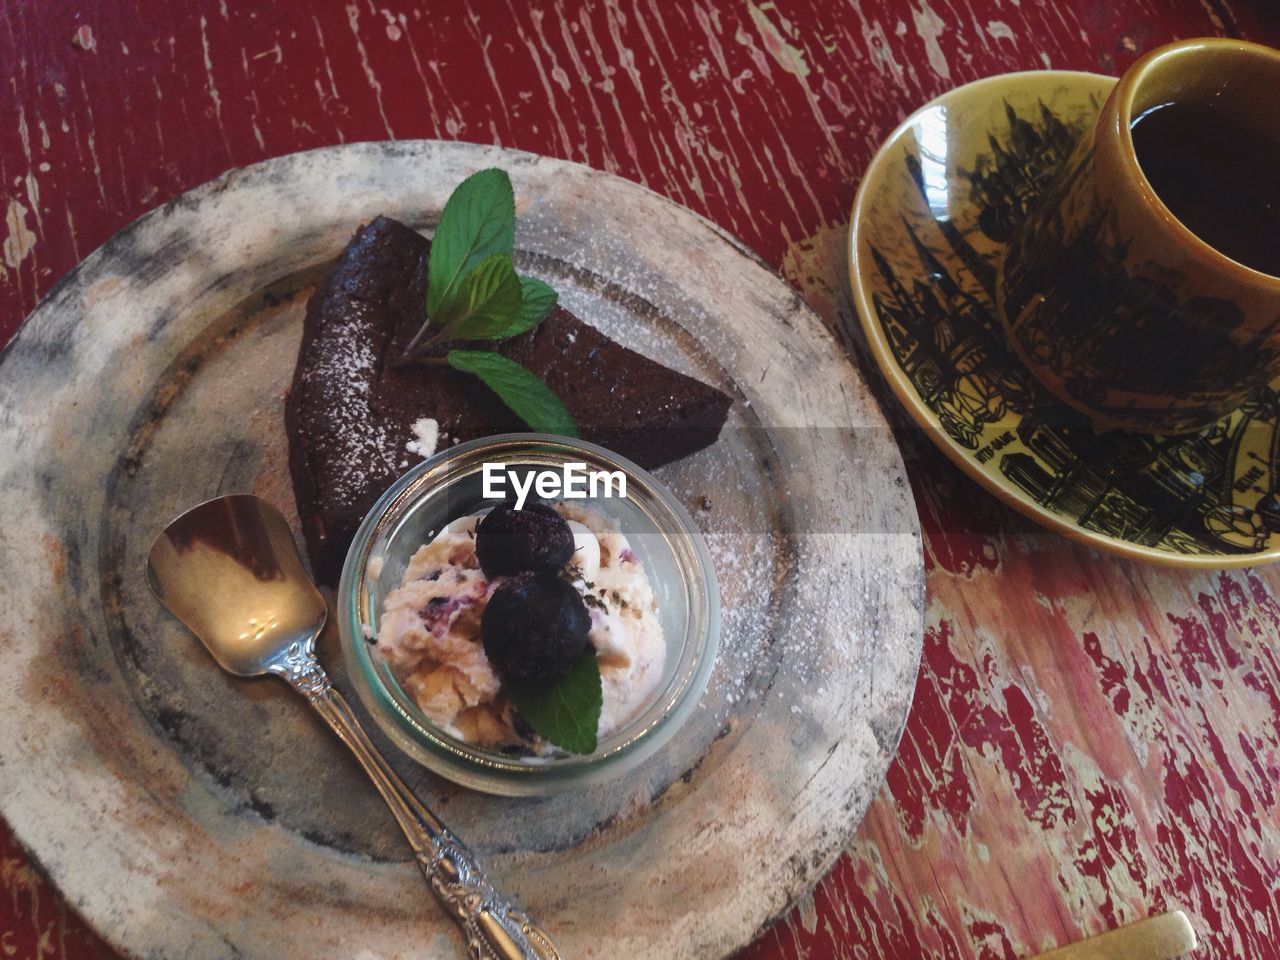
{"x": 930, "y": 223}
{"x": 189, "y": 814}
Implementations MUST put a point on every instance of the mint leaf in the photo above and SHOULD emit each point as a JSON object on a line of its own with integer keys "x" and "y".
{"x": 479, "y": 220}
{"x": 527, "y": 396}
{"x": 533, "y": 301}
{"x": 488, "y": 301}
{"x": 539, "y": 300}
{"x": 568, "y": 712}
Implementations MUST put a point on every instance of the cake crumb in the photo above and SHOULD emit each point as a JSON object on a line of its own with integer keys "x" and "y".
{"x": 426, "y": 433}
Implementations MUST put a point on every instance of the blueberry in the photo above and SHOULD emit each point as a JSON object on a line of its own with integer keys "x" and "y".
{"x": 534, "y": 628}
{"x": 510, "y": 540}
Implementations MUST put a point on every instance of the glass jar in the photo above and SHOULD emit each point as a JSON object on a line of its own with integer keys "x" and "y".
{"x": 450, "y": 485}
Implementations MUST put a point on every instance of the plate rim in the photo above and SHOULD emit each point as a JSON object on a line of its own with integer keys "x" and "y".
{"x": 909, "y": 399}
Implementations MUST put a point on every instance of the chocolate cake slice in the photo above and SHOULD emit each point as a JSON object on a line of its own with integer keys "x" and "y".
{"x": 350, "y": 410}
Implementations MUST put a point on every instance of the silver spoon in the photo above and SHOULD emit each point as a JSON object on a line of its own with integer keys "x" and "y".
{"x": 230, "y": 571}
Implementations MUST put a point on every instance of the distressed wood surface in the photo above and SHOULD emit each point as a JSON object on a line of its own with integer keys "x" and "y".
{"x": 1092, "y": 740}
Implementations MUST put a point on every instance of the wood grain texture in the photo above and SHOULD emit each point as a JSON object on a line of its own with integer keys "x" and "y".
{"x": 1092, "y": 740}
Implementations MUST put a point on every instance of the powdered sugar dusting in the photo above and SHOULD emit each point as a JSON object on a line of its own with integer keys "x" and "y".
{"x": 426, "y": 438}
{"x": 345, "y": 375}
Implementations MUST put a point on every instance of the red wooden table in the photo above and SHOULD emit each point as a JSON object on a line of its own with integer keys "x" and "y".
{"x": 1092, "y": 740}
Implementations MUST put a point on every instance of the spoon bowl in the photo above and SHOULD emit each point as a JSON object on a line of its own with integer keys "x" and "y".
{"x": 229, "y": 569}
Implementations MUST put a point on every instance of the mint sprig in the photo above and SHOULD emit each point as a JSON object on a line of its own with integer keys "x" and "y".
{"x": 474, "y": 293}
{"x": 528, "y": 397}
{"x": 568, "y": 712}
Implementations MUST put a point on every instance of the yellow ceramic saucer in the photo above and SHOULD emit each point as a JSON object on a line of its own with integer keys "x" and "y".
{"x": 934, "y": 211}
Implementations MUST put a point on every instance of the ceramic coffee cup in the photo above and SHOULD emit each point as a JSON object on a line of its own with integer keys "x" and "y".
{"x": 1118, "y": 307}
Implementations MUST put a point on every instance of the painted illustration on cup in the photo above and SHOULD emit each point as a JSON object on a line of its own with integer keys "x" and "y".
{"x": 1124, "y": 337}
{"x": 1209, "y": 492}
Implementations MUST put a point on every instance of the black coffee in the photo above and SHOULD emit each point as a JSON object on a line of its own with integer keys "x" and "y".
{"x": 1218, "y": 175}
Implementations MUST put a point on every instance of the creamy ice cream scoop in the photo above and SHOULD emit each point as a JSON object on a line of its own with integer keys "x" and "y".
{"x": 430, "y": 630}
{"x": 586, "y": 550}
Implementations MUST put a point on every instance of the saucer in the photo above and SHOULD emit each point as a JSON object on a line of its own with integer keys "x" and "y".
{"x": 936, "y": 207}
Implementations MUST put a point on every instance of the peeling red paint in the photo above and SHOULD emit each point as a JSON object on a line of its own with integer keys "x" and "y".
{"x": 992, "y": 941}
{"x": 1114, "y": 844}
{"x": 1111, "y": 674}
{"x": 958, "y": 541}
{"x": 956, "y": 708}
{"x": 1092, "y": 741}
{"x": 928, "y": 776}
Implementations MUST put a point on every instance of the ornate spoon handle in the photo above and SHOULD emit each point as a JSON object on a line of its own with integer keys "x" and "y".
{"x": 493, "y": 928}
